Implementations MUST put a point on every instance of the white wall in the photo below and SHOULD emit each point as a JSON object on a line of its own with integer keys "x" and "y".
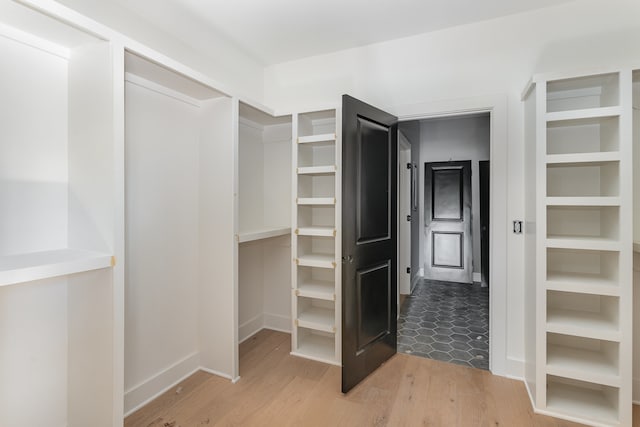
{"x": 491, "y": 57}
{"x": 193, "y": 45}
{"x": 162, "y": 209}
{"x": 460, "y": 138}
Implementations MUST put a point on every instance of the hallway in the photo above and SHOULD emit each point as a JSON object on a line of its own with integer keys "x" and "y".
{"x": 446, "y": 321}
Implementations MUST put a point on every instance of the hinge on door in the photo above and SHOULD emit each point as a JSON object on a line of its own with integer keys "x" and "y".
{"x": 408, "y": 270}
{"x": 409, "y": 218}
{"x": 409, "y": 166}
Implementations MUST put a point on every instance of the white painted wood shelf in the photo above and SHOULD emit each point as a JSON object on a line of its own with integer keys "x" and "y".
{"x": 316, "y": 231}
{"x": 581, "y": 364}
{"x": 326, "y": 201}
{"x": 317, "y": 170}
{"x": 582, "y": 282}
{"x": 265, "y": 233}
{"x": 317, "y": 318}
{"x": 316, "y": 260}
{"x": 28, "y": 267}
{"x": 586, "y": 243}
{"x": 327, "y": 138}
{"x": 583, "y": 201}
{"x": 586, "y": 113}
{"x": 581, "y": 158}
{"x": 319, "y": 289}
{"x": 582, "y": 324}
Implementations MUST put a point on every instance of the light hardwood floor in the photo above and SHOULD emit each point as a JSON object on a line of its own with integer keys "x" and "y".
{"x": 277, "y": 389}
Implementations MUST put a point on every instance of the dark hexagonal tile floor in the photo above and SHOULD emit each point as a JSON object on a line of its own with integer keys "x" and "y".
{"x": 446, "y": 321}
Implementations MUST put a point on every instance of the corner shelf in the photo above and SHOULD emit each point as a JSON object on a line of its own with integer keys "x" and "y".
{"x": 28, "y": 267}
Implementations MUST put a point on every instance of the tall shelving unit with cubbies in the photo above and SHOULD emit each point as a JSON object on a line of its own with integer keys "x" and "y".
{"x": 578, "y": 340}
{"x": 316, "y": 241}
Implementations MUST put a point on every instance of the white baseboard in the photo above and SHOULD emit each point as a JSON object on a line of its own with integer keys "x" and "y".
{"x": 218, "y": 374}
{"x": 250, "y": 328}
{"x": 138, "y": 396}
{"x": 277, "y": 322}
{"x": 636, "y": 391}
{"x": 515, "y": 368}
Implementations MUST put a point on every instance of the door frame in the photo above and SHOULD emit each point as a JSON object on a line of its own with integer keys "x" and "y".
{"x": 496, "y": 106}
{"x": 403, "y": 148}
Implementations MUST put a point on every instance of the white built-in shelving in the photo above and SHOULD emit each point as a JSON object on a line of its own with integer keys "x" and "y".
{"x": 264, "y": 220}
{"x": 316, "y": 244}
{"x": 60, "y": 236}
{"x": 578, "y": 332}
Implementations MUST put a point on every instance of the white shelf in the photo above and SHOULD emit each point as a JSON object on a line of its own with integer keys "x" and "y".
{"x": 328, "y": 201}
{"x": 265, "y": 233}
{"x": 318, "y": 348}
{"x": 568, "y": 159}
{"x": 580, "y": 364}
{"x": 587, "y": 113}
{"x": 316, "y": 231}
{"x": 319, "y": 289}
{"x": 317, "y": 170}
{"x": 583, "y": 201}
{"x": 43, "y": 265}
{"x": 582, "y": 324}
{"x": 318, "y": 318}
{"x": 586, "y": 403}
{"x": 582, "y": 283}
{"x": 317, "y": 260}
{"x": 317, "y": 139}
{"x": 577, "y": 242}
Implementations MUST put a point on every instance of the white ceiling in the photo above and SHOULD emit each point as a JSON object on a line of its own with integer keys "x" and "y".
{"x": 274, "y": 31}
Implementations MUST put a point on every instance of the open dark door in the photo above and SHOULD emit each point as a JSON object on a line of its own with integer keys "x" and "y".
{"x": 369, "y": 228}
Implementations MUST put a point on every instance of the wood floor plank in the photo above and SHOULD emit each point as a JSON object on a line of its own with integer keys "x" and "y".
{"x": 280, "y": 390}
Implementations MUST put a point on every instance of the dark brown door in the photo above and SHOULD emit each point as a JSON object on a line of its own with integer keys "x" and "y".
{"x": 447, "y": 214}
{"x": 369, "y": 223}
{"x": 484, "y": 219}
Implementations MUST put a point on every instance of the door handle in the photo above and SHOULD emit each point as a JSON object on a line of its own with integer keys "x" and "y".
{"x": 348, "y": 259}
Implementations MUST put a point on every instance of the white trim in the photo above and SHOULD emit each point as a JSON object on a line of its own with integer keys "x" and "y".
{"x": 477, "y": 277}
{"x": 35, "y": 42}
{"x": 162, "y": 90}
{"x": 496, "y": 105}
{"x": 515, "y": 369}
{"x": 277, "y": 322}
{"x": 250, "y": 328}
{"x": 138, "y": 396}
{"x": 219, "y": 374}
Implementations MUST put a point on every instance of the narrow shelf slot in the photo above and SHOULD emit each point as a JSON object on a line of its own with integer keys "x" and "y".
{"x": 316, "y": 314}
{"x": 595, "y": 222}
{"x": 582, "y": 136}
{"x": 597, "y": 403}
{"x": 583, "y": 359}
{"x": 589, "y": 92}
{"x": 315, "y": 283}
{"x": 316, "y": 345}
{"x": 583, "y": 180}
{"x": 316, "y": 216}
{"x": 318, "y": 126}
{"x": 312, "y": 186}
{"x": 584, "y": 315}
{"x": 22, "y": 268}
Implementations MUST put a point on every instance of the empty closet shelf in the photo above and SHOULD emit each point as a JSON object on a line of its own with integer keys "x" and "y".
{"x": 581, "y": 364}
{"x": 582, "y": 324}
{"x": 316, "y": 201}
{"x": 316, "y": 231}
{"x": 327, "y": 138}
{"x": 583, "y": 201}
{"x": 591, "y": 404}
{"x": 319, "y": 289}
{"x": 317, "y": 318}
{"x": 582, "y": 283}
{"x": 264, "y": 233}
{"x": 583, "y": 158}
{"x": 579, "y": 242}
{"x": 317, "y": 260}
{"x": 42, "y": 265}
{"x": 316, "y": 170}
{"x": 586, "y": 113}
{"x": 317, "y": 347}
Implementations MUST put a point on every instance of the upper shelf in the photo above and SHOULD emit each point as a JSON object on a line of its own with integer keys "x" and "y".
{"x": 586, "y": 113}
{"x": 327, "y": 138}
{"x": 568, "y": 159}
{"x": 43, "y": 265}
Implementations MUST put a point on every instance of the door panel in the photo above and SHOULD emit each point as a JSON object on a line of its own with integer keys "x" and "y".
{"x": 369, "y": 223}
{"x": 485, "y": 169}
{"x": 448, "y": 221}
